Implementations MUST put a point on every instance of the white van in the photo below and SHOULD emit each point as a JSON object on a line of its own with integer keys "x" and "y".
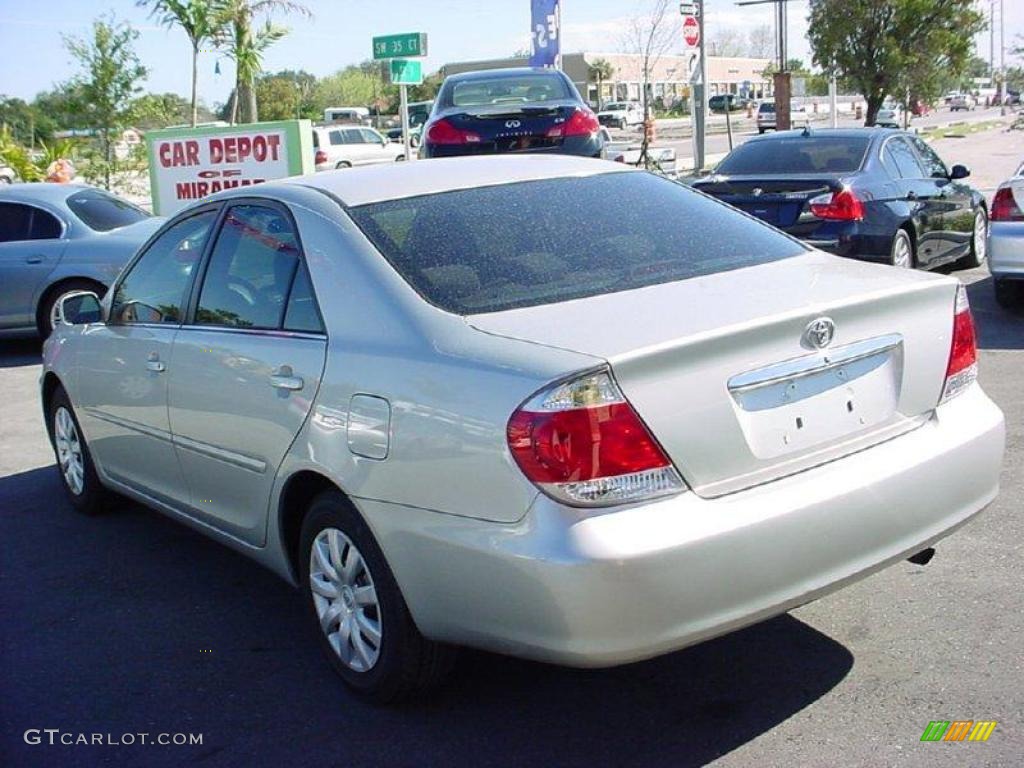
{"x": 358, "y": 115}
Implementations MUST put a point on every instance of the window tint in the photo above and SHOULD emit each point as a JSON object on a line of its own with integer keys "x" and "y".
{"x": 506, "y": 89}
{"x": 799, "y": 154}
{"x": 154, "y": 289}
{"x": 26, "y": 222}
{"x": 102, "y": 212}
{"x": 352, "y": 136}
{"x": 302, "y": 314}
{"x": 889, "y": 162}
{"x": 369, "y": 136}
{"x": 932, "y": 162}
{"x": 905, "y": 159}
{"x": 250, "y": 271}
{"x": 766, "y": 106}
{"x": 336, "y": 138}
{"x": 538, "y": 242}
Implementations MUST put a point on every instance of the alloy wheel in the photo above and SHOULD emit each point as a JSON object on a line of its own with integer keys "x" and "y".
{"x": 69, "y": 450}
{"x": 901, "y": 253}
{"x": 345, "y": 599}
{"x": 980, "y": 237}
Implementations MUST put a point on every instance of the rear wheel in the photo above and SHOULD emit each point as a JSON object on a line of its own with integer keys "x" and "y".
{"x": 901, "y": 254}
{"x": 74, "y": 462}
{"x": 342, "y": 164}
{"x": 979, "y": 242}
{"x": 357, "y": 609}
{"x": 400, "y": 159}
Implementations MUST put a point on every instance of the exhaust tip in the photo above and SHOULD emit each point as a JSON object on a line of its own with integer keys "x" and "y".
{"x": 923, "y": 557}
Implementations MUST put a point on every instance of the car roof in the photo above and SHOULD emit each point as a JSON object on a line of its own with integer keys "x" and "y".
{"x": 841, "y": 133}
{"x": 42, "y": 192}
{"x": 490, "y": 74}
{"x": 393, "y": 181}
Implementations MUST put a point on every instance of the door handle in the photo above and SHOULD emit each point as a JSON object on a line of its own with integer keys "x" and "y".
{"x": 283, "y": 378}
{"x": 911, "y": 195}
{"x": 35, "y": 258}
{"x": 154, "y": 363}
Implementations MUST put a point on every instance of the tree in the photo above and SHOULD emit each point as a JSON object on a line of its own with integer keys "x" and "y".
{"x": 110, "y": 77}
{"x": 890, "y": 47}
{"x": 350, "y": 87}
{"x": 601, "y": 70}
{"x": 246, "y": 43}
{"x": 159, "y": 110}
{"x": 25, "y": 122}
{"x": 761, "y": 42}
{"x": 200, "y": 19}
{"x": 286, "y": 95}
{"x": 650, "y": 36}
{"x": 726, "y": 42}
{"x": 63, "y": 106}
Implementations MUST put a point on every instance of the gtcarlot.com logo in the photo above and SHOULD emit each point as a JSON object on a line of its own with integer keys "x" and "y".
{"x": 958, "y": 730}
{"x": 57, "y": 737}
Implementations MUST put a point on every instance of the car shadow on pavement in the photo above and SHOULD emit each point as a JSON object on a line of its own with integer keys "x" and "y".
{"x": 129, "y": 623}
{"x": 15, "y": 353}
{"x": 997, "y": 328}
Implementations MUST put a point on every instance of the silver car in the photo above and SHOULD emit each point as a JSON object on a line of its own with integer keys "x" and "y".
{"x": 56, "y": 239}
{"x": 456, "y": 407}
{"x": 1006, "y": 241}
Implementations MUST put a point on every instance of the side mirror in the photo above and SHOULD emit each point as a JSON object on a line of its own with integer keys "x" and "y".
{"x": 959, "y": 172}
{"x": 79, "y": 308}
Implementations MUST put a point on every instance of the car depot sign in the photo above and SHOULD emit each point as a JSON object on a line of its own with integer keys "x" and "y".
{"x": 188, "y": 164}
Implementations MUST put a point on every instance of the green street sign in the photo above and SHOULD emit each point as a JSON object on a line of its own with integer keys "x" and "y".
{"x": 406, "y": 72}
{"x": 397, "y": 46}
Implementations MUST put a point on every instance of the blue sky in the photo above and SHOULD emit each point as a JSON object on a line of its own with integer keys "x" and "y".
{"x": 32, "y": 56}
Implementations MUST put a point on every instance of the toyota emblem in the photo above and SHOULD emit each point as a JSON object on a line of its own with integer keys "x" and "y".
{"x": 818, "y": 333}
{"x": 512, "y": 123}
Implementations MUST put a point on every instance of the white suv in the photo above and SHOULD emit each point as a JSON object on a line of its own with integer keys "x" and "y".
{"x": 351, "y": 145}
{"x": 798, "y": 117}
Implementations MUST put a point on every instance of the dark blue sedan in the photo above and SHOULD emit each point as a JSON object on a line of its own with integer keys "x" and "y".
{"x": 867, "y": 193}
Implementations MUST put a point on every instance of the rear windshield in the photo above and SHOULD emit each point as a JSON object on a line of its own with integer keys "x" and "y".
{"x": 766, "y": 107}
{"x": 797, "y": 154}
{"x": 541, "y": 242}
{"x": 102, "y": 212}
{"x": 518, "y": 89}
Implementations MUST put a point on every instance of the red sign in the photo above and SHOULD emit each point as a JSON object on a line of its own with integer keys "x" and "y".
{"x": 691, "y": 31}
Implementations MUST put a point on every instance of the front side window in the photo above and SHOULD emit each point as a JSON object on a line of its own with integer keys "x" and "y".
{"x": 154, "y": 289}
{"x": 352, "y": 136}
{"x": 250, "y": 271}
{"x": 102, "y": 212}
{"x": 370, "y": 137}
{"x": 518, "y": 245}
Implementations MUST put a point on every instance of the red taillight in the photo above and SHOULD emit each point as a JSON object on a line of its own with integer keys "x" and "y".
{"x": 582, "y": 122}
{"x": 583, "y": 443}
{"x": 1004, "y": 206}
{"x": 320, "y": 157}
{"x": 838, "y": 206}
{"x": 962, "y": 369}
{"x": 443, "y": 132}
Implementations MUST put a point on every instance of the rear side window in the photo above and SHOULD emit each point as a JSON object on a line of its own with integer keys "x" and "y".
{"x": 506, "y": 89}
{"x": 797, "y": 154}
{"x": 903, "y": 156}
{"x": 302, "y": 314}
{"x": 539, "y": 242}
{"x": 26, "y": 222}
{"x": 251, "y": 270}
{"x": 102, "y": 212}
{"x": 933, "y": 164}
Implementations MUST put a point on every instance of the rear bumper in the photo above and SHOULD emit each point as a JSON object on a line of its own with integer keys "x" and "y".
{"x": 615, "y": 586}
{"x": 1006, "y": 249}
{"x": 585, "y": 146}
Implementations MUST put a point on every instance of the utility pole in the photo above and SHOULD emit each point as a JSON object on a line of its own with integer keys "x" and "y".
{"x": 699, "y": 83}
{"x": 782, "y": 79}
{"x": 1002, "y": 57}
{"x": 833, "y": 117}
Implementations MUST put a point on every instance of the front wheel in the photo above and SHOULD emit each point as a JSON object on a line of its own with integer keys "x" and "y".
{"x": 901, "y": 254}
{"x": 77, "y": 472}
{"x": 979, "y": 242}
{"x": 357, "y": 609}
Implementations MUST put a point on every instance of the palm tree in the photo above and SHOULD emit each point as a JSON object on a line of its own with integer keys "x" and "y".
{"x": 246, "y": 45}
{"x": 601, "y": 69}
{"x": 200, "y": 19}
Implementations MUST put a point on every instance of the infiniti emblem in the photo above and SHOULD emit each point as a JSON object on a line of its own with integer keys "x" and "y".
{"x": 818, "y": 333}
{"x": 512, "y": 123}
{"x": 756, "y": 191}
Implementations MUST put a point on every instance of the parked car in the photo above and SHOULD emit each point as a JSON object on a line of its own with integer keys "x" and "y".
{"x": 395, "y": 135}
{"x": 348, "y": 146}
{"x": 353, "y": 115}
{"x": 621, "y": 114}
{"x": 717, "y": 103}
{"x": 1006, "y": 241}
{"x": 889, "y": 116}
{"x": 510, "y": 111}
{"x": 7, "y": 174}
{"x": 867, "y": 193}
{"x": 962, "y": 101}
{"x": 454, "y": 407}
{"x": 798, "y": 117}
{"x": 56, "y": 239}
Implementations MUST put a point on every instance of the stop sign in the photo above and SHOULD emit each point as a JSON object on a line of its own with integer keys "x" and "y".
{"x": 691, "y": 31}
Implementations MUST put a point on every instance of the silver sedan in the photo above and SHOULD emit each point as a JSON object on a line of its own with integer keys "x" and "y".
{"x": 56, "y": 239}
{"x": 455, "y": 405}
{"x": 1006, "y": 241}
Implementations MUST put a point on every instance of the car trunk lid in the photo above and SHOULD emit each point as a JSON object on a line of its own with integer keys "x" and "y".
{"x": 723, "y": 370}
{"x": 511, "y": 128}
{"x": 782, "y": 201}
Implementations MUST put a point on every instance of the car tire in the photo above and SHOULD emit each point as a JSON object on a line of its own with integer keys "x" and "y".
{"x": 400, "y": 159}
{"x": 1009, "y": 294}
{"x": 342, "y": 165}
{"x": 901, "y": 252}
{"x": 357, "y": 609}
{"x": 979, "y": 242}
{"x": 74, "y": 461}
{"x": 46, "y": 311}
{"x": 760, "y": 131}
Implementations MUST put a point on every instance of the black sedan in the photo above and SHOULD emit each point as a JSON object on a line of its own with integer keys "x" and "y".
{"x": 867, "y": 193}
{"x": 510, "y": 110}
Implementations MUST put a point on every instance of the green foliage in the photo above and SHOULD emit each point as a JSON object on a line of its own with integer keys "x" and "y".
{"x": 26, "y": 122}
{"x": 110, "y": 77}
{"x": 160, "y": 110}
{"x": 287, "y": 95}
{"x": 354, "y": 87}
{"x": 17, "y": 157}
{"x": 890, "y": 47}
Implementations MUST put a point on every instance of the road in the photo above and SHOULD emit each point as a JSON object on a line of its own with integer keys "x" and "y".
{"x": 131, "y": 623}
